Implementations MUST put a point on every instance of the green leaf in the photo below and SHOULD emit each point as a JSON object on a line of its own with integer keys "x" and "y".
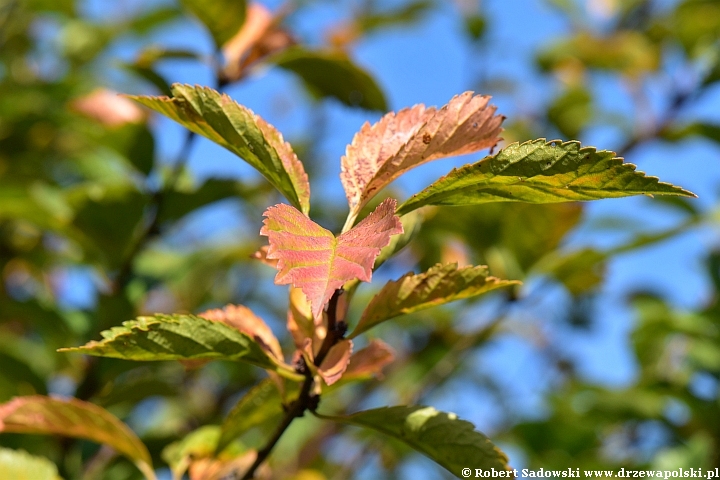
{"x": 20, "y": 465}
{"x": 223, "y": 18}
{"x": 541, "y": 172}
{"x": 197, "y": 444}
{"x": 333, "y": 74}
{"x": 571, "y": 111}
{"x": 259, "y": 405}
{"x": 411, "y": 225}
{"x": 443, "y": 437}
{"x": 219, "y": 118}
{"x": 177, "y": 204}
{"x": 629, "y": 52}
{"x": 136, "y": 143}
{"x": 73, "y": 418}
{"x": 439, "y": 285}
{"x": 176, "y": 337}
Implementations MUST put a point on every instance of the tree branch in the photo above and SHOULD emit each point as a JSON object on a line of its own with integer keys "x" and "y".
{"x": 306, "y": 400}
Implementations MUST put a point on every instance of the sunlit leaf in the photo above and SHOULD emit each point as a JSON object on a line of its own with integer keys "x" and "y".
{"x": 72, "y": 418}
{"x": 177, "y": 337}
{"x": 223, "y": 18}
{"x": 381, "y": 152}
{"x": 333, "y": 74}
{"x": 541, "y": 172}
{"x": 313, "y": 259}
{"x": 260, "y": 36}
{"x": 443, "y": 437}
{"x": 243, "y": 319}
{"x": 225, "y": 122}
{"x": 439, "y": 285}
{"x": 20, "y": 465}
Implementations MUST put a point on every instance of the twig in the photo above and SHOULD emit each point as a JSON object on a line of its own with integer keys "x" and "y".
{"x": 306, "y": 400}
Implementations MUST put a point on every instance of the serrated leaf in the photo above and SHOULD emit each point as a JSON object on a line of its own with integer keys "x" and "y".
{"x": 452, "y": 443}
{"x": 177, "y": 337}
{"x": 223, "y": 18}
{"x": 243, "y": 319}
{"x": 401, "y": 141}
{"x": 219, "y": 118}
{"x": 73, "y": 418}
{"x": 541, "y": 172}
{"x": 333, "y": 74}
{"x": 20, "y": 465}
{"x": 313, "y": 259}
{"x": 439, "y": 285}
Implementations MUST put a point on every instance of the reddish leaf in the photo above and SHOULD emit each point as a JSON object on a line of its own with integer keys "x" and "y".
{"x": 73, "y": 418}
{"x": 336, "y": 362}
{"x": 312, "y": 259}
{"x": 370, "y": 360}
{"x": 219, "y": 469}
{"x": 398, "y": 142}
{"x": 246, "y": 321}
{"x": 108, "y": 108}
{"x": 259, "y": 36}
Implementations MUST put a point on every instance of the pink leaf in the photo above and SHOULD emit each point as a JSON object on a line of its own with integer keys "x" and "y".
{"x": 246, "y": 321}
{"x": 370, "y": 360}
{"x": 108, "y": 108}
{"x": 336, "y": 362}
{"x": 313, "y": 259}
{"x": 398, "y": 142}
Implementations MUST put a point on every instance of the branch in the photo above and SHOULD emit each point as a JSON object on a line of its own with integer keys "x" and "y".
{"x": 306, "y": 400}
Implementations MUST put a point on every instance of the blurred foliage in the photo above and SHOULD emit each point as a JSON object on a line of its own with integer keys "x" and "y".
{"x": 90, "y": 208}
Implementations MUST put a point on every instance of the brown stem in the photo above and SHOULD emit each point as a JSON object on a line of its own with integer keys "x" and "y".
{"x": 306, "y": 400}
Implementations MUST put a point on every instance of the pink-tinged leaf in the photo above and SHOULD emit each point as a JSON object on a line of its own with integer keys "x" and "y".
{"x": 260, "y": 36}
{"x": 370, "y": 360}
{"x": 382, "y": 152}
{"x": 246, "y": 321}
{"x": 108, "y": 108}
{"x": 336, "y": 362}
{"x": 438, "y": 285}
{"x": 261, "y": 255}
{"x": 73, "y": 418}
{"x": 219, "y": 469}
{"x": 312, "y": 259}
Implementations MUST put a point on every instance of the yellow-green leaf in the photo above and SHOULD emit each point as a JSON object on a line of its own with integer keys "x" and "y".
{"x": 443, "y": 437}
{"x": 73, "y": 418}
{"x": 20, "y": 465}
{"x": 219, "y": 118}
{"x": 178, "y": 337}
{"x": 541, "y": 172}
{"x": 439, "y": 285}
{"x": 223, "y": 18}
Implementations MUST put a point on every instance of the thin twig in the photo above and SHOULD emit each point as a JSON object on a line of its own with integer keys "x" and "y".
{"x": 306, "y": 400}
